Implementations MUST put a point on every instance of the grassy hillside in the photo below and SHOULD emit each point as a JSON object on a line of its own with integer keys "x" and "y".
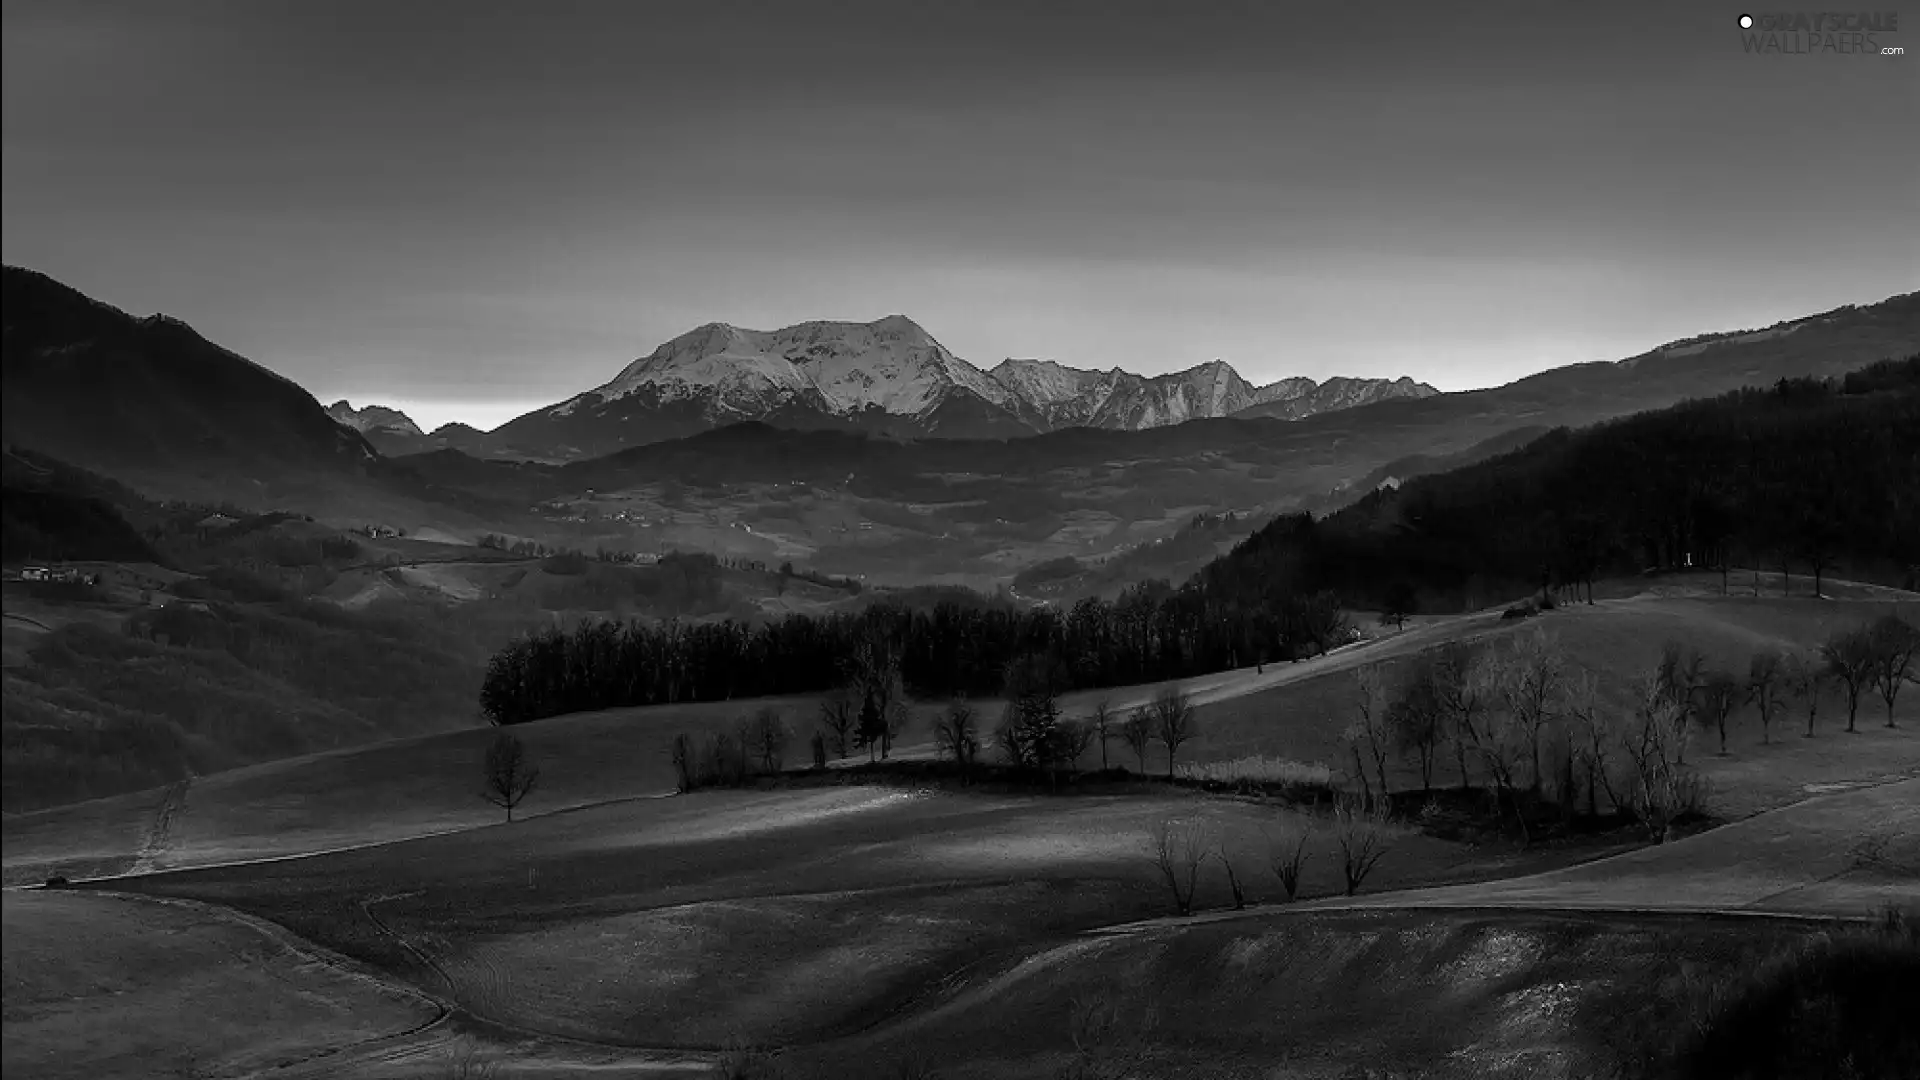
{"x": 86, "y": 977}
{"x": 1289, "y": 711}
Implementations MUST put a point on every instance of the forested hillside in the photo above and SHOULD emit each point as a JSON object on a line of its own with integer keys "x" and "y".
{"x": 1818, "y": 473}
{"x": 1808, "y": 476}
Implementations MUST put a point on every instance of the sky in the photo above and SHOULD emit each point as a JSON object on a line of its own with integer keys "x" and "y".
{"x": 473, "y": 209}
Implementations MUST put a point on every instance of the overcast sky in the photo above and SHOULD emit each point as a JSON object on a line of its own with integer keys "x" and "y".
{"x": 471, "y": 209}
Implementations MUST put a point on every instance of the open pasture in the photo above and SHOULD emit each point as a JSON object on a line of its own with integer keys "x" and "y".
{"x": 410, "y": 787}
{"x": 107, "y": 986}
{"x": 773, "y": 915}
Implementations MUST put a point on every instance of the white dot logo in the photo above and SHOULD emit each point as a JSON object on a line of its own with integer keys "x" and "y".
{"x": 1746, "y": 22}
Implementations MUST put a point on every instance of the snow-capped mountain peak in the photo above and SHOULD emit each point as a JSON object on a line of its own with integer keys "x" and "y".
{"x": 891, "y": 364}
{"x": 892, "y": 376}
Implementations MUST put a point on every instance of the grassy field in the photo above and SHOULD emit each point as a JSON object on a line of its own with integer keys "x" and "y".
{"x": 1322, "y": 997}
{"x": 776, "y": 915}
{"x": 103, "y": 986}
{"x": 414, "y": 786}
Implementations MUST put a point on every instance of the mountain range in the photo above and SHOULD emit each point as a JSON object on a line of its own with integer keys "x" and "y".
{"x": 152, "y": 404}
{"x": 887, "y": 377}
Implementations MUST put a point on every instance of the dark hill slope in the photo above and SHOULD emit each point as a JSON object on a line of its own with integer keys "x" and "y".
{"x": 90, "y": 384}
{"x": 1817, "y": 474}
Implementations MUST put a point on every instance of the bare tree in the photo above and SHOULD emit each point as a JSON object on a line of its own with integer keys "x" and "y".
{"x": 1894, "y": 641}
{"x": 1368, "y": 738}
{"x": 1663, "y": 787}
{"x": 510, "y": 773}
{"x": 1137, "y": 731}
{"x": 838, "y": 714}
{"x": 1849, "y": 656}
{"x": 1173, "y": 722}
{"x": 1363, "y": 835}
{"x": 1594, "y": 734}
{"x": 1179, "y": 847}
{"x": 1417, "y": 719}
{"x": 1530, "y": 692}
{"x": 1225, "y": 848}
{"x": 1679, "y": 674}
{"x": 769, "y": 736}
{"x": 956, "y": 735}
{"x": 1503, "y": 747}
{"x": 1805, "y": 678}
{"x": 1075, "y": 737}
{"x": 1719, "y": 695}
{"x": 1766, "y": 687}
{"x": 1287, "y": 852}
{"x": 1105, "y": 724}
{"x": 1463, "y": 688}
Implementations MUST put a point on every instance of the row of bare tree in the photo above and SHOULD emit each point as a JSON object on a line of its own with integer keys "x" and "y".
{"x": 1183, "y": 847}
{"x": 1538, "y": 732}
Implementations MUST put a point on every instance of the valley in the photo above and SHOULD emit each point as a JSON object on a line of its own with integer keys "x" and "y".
{"x": 1092, "y": 686}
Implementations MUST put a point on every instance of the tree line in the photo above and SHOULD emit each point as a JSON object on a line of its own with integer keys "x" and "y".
{"x": 1151, "y": 633}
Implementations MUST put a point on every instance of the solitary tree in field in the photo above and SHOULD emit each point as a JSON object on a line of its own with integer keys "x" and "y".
{"x": 1363, "y": 836}
{"x": 1031, "y": 733}
{"x": 1894, "y": 642}
{"x": 1593, "y": 734}
{"x": 1720, "y": 694}
{"x": 1503, "y": 746}
{"x": 1663, "y": 787}
{"x": 1137, "y": 731}
{"x": 1678, "y": 679}
{"x": 510, "y": 773}
{"x": 769, "y": 737}
{"x": 1287, "y": 852}
{"x": 873, "y": 677}
{"x": 1463, "y": 686}
{"x": 1531, "y": 691}
{"x": 1766, "y": 687}
{"x": 1849, "y": 656}
{"x": 1173, "y": 723}
{"x": 1806, "y": 677}
{"x": 956, "y": 735}
{"x": 1225, "y": 849}
{"x": 1105, "y": 724}
{"x": 1417, "y": 718}
{"x": 1368, "y": 738}
{"x": 1179, "y": 848}
{"x": 838, "y": 714}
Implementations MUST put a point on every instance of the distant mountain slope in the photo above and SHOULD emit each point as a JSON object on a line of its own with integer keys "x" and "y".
{"x": 92, "y": 385}
{"x": 153, "y": 405}
{"x": 51, "y": 511}
{"x": 389, "y": 430}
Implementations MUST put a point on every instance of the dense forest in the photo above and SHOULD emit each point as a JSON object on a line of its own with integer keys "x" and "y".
{"x": 1810, "y": 473}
